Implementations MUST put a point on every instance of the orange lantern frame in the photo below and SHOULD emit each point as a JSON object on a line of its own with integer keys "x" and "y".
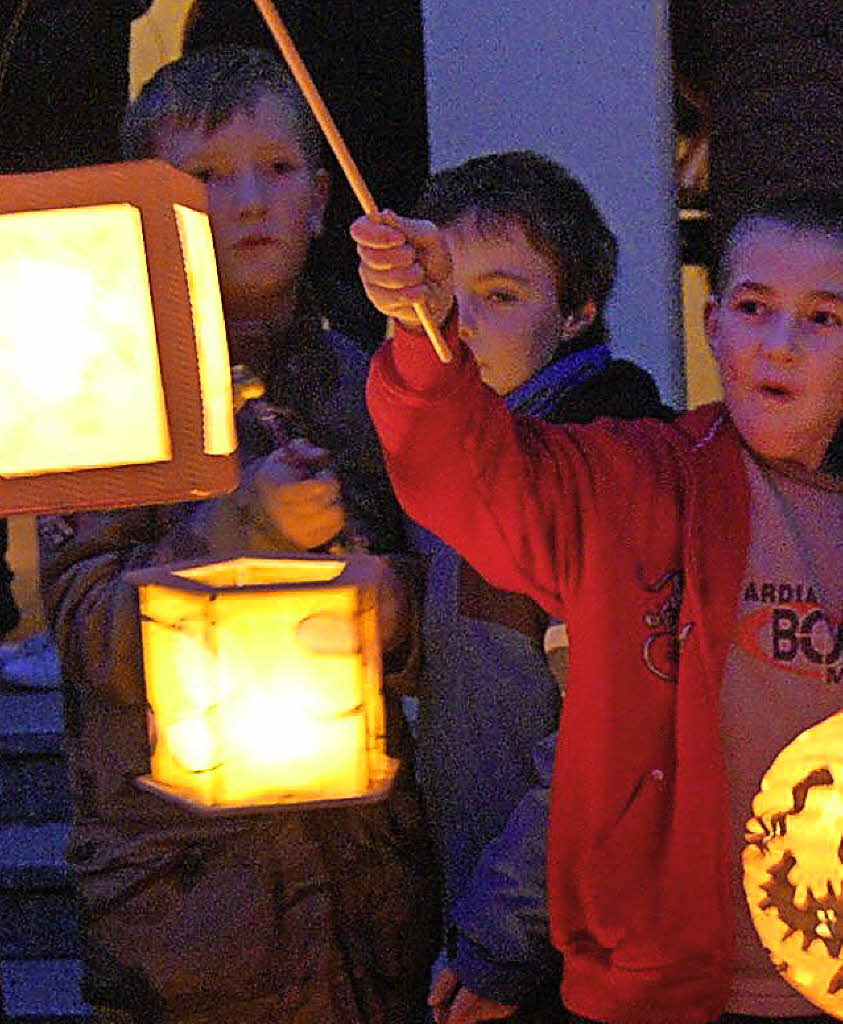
{"x": 164, "y": 198}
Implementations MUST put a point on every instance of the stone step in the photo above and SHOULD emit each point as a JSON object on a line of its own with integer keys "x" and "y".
{"x": 31, "y": 722}
{"x": 40, "y": 941}
{"x": 34, "y": 788}
{"x": 43, "y": 992}
{"x": 32, "y": 856}
{"x": 39, "y": 924}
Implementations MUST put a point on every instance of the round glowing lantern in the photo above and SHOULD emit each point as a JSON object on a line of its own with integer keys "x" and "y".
{"x": 263, "y": 679}
{"x": 793, "y": 864}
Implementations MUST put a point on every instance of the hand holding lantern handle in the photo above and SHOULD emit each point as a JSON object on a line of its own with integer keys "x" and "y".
{"x": 291, "y": 481}
{"x": 337, "y": 143}
{"x": 297, "y": 489}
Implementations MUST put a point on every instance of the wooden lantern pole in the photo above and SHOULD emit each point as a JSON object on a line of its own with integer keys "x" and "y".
{"x": 336, "y": 142}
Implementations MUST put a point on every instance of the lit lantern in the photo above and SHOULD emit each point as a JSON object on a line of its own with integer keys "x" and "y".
{"x": 113, "y": 353}
{"x": 793, "y": 864}
{"x": 252, "y": 701}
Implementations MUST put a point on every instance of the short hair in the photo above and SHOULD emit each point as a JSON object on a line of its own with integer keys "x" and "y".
{"x": 819, "y": 210}
{"x": 207, "y": 87}
{"x": 556, "y": 213}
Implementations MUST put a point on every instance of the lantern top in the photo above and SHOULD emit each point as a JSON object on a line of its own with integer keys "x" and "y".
{"x": 140, "y": 182}
{"x": 254, "y": 573}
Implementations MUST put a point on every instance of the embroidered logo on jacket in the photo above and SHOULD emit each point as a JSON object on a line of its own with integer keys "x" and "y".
{"x": 664, "y": 643}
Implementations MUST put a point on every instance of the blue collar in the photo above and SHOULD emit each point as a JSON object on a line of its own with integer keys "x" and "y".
{"x": 537, "y": 396}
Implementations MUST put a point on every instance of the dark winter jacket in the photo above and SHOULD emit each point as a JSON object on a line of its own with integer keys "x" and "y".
{"x": 325, "y": 914}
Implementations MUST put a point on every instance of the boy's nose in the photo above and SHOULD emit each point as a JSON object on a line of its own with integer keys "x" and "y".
{"x": 781, "y": 338}
{"x": 250, "y": 195}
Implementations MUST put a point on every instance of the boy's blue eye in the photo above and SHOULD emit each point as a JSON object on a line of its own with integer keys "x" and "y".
{"x": 282, "y": 166}
{"x": 751, "y": 307}
{"x": 826, "y": 318}
{"x": 501, "y": 297}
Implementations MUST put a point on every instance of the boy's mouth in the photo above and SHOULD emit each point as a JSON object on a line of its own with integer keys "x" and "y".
{"x": 254, "y": 242}
{"x": 776, "y": 392}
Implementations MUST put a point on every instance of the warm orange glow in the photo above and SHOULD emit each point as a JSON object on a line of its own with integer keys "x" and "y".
{"x": 78, "y": 354}
{"x": 793, "y": 874}
{"x": 209, "y": 325}
{"x": 246, "y": 714}
{"x": 113, "y": 352}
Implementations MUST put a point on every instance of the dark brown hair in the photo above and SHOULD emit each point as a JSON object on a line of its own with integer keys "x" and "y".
{"x": 556, "y": 213}
{"x": 205, "y": 88}
{"x": 819, "y": 210}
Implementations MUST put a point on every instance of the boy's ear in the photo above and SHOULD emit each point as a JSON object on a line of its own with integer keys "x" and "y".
{"x": 580, "y": 320}
{"x": 711, "y": 322}
{"x": 321, "y": 195}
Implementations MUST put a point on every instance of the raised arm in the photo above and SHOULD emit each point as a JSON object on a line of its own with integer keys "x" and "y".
{"x": 520, "y": 499}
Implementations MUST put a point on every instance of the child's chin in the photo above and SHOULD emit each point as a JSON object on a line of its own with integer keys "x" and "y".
{"x": 259, "y": 292}
{"x": 780, "y": 449}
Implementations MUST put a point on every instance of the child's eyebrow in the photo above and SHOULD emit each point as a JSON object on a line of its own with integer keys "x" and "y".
{"x": 752, "y": 286}
{"x": 503, "y": 275}
{"x": 828, "y": 296}
{"x": 277, "y": 145}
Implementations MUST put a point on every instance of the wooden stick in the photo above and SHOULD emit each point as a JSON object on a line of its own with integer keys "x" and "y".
{"x": 337, "y": 143}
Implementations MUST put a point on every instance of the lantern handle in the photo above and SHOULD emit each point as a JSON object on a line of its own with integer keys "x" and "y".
{"x": 323, "y": 117}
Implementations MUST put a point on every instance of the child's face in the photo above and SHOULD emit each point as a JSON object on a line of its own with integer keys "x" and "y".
{"x": 508, "y": 304}
{"x": 777, "y": 334}
{"x": 265, "y": 203}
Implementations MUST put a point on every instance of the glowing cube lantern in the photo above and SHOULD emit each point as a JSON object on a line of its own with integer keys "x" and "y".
{"x": 245, "y": 710}
{"x": 113, "y": 353}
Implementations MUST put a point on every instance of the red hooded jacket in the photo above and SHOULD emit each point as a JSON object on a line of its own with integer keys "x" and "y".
{"x": 636, "y": 533}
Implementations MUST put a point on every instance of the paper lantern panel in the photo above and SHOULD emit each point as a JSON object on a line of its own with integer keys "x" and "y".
{"x": 793, "y": 864}
{"x": 113, "y": 352}
{"x": 244, "y": 713}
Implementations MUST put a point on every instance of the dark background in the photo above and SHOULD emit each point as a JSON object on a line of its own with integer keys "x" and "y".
{"x": 769, "y": 72}
{"x": 65, "y": 84}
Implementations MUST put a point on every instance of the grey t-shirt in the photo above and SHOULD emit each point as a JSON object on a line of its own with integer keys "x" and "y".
{"x": 784, "y": 673}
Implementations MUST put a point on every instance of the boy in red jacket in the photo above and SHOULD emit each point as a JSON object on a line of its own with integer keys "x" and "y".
{"x": 674, "y": 552}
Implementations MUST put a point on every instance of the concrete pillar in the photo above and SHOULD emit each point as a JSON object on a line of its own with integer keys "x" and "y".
{"x": 587, "y": 82}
